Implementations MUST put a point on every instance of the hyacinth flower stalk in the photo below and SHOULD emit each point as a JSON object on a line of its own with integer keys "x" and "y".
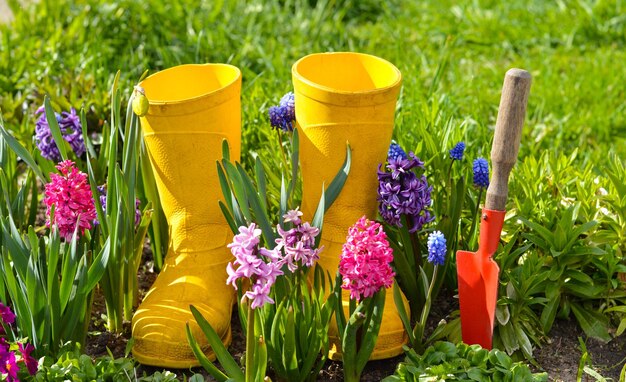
{"x": 364, "y": 270}
{"x": 301, "y": 314}
{"x": 69, "y": 259}
{"x": 480, "y": 172}
{"x": 298, "y": 324}
{"x": 404, "y": 202}
{"x": 69, "y": 265}
{"x": 437, "y": 250}
{"x": 253, "y": 273}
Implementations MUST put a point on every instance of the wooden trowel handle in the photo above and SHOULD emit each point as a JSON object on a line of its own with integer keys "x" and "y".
{"x": 505, "y": 147}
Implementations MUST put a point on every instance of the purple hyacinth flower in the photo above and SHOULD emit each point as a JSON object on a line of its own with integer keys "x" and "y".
{"x": 71, "y": 129}
{"x": 402, "y": 192}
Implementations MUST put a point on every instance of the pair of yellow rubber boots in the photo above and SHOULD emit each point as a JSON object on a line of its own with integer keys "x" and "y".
{"x": 339, "y": 98}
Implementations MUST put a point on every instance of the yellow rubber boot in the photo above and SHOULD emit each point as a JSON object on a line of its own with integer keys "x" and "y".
{"x": 192, "y": 108}
{"x": 339, "y": 98}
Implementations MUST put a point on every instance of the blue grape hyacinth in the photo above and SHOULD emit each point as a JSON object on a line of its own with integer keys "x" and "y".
{"x": 480, "y": 168}
{"x": 456, "y": 153}
{"x": 437, "y": 248}
{"x": 288, "y": 103}
{"x": 395, "y": 151}
{"x": 283, "y": 116}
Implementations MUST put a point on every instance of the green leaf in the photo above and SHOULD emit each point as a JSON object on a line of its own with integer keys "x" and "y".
{"x": 21, "y": 152}
{"x": 261, "y": 215}
{"x": 289, "y": 356}
{"x": 260, "y": 360}
{"x": 238, "y": 189}
{"x": 593, "y": 323}
{"x": 204, "y": 361}
{"x": 549, "y": 312}
{"x": 397, "y": 298}
{"x": 61, "y": 144}
{"x": 224, "y": 357}
{"x": 98, "y": 268}
{"x": 543, "y": 232}
{"x": 335, "y": 187}
{"x": 225, "y": 150}
{"x": 295, "y": 154}
{"x": 228, "y": 217}
{"x": 318, "y": 218}
{"x": 261, "y": 182}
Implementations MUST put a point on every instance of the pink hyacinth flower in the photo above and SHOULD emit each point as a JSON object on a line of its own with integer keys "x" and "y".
{"x": 365, "y": 260}
{"x": 71, "y": 196}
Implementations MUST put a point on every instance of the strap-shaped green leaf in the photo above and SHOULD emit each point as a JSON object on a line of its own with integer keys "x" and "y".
{"x": 295, "y": 162}
{"x": 406, "y": 322}
{"x": 261, "y": 215}
{"x": 371, "y": 331}
{"x": 228, "y": 216}
{"x": 275, "y": 346}
{"x": 204, "y": 361}
{"x": 21, "y": 151}
{"x": 222, "y": 354}
{"x": 261, "y": 182}
{"x": 260, "y": 360}
{"x": 335, "y": 187}
{"x": 238, "y": 189}
{"x": 289, "y": 350}
{"x": 97, "y": 268}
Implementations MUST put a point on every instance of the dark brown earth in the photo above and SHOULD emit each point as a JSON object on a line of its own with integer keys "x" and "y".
{"x": 560, "y": 357}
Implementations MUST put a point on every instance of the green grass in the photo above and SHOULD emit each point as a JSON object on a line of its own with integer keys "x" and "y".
{"x": 453, "y": 58}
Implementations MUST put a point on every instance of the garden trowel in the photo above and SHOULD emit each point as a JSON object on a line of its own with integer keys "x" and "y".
{"x": 477, "y": 271}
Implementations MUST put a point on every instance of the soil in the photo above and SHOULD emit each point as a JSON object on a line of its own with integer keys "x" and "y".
{"x": 560, "y": 357}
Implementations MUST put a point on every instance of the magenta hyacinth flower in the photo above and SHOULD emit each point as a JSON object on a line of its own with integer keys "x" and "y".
{"x": 259, "y": 265}
{"x": 365, "y": 260}
{"x": 8, "y": 317}
{"x": 70, "y": 194}
{"x": 31, "y": 363}
{"x": 8, "y": 365}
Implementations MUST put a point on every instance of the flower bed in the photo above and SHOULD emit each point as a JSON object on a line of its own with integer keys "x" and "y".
{"x": 561, "y": 254}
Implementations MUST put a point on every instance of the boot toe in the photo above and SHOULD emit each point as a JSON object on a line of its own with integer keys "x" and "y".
{"x": 160, "y": 337}
{"x": 159, "y": 333}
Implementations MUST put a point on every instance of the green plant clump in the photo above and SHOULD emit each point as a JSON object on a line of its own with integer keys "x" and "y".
{"x": 445, "y": 361}
{"x": 72, "y": 365}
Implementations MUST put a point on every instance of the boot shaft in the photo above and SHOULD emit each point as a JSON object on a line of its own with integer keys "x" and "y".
{"x": 344, "y": 97}
{"x": 193, "y": 108}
